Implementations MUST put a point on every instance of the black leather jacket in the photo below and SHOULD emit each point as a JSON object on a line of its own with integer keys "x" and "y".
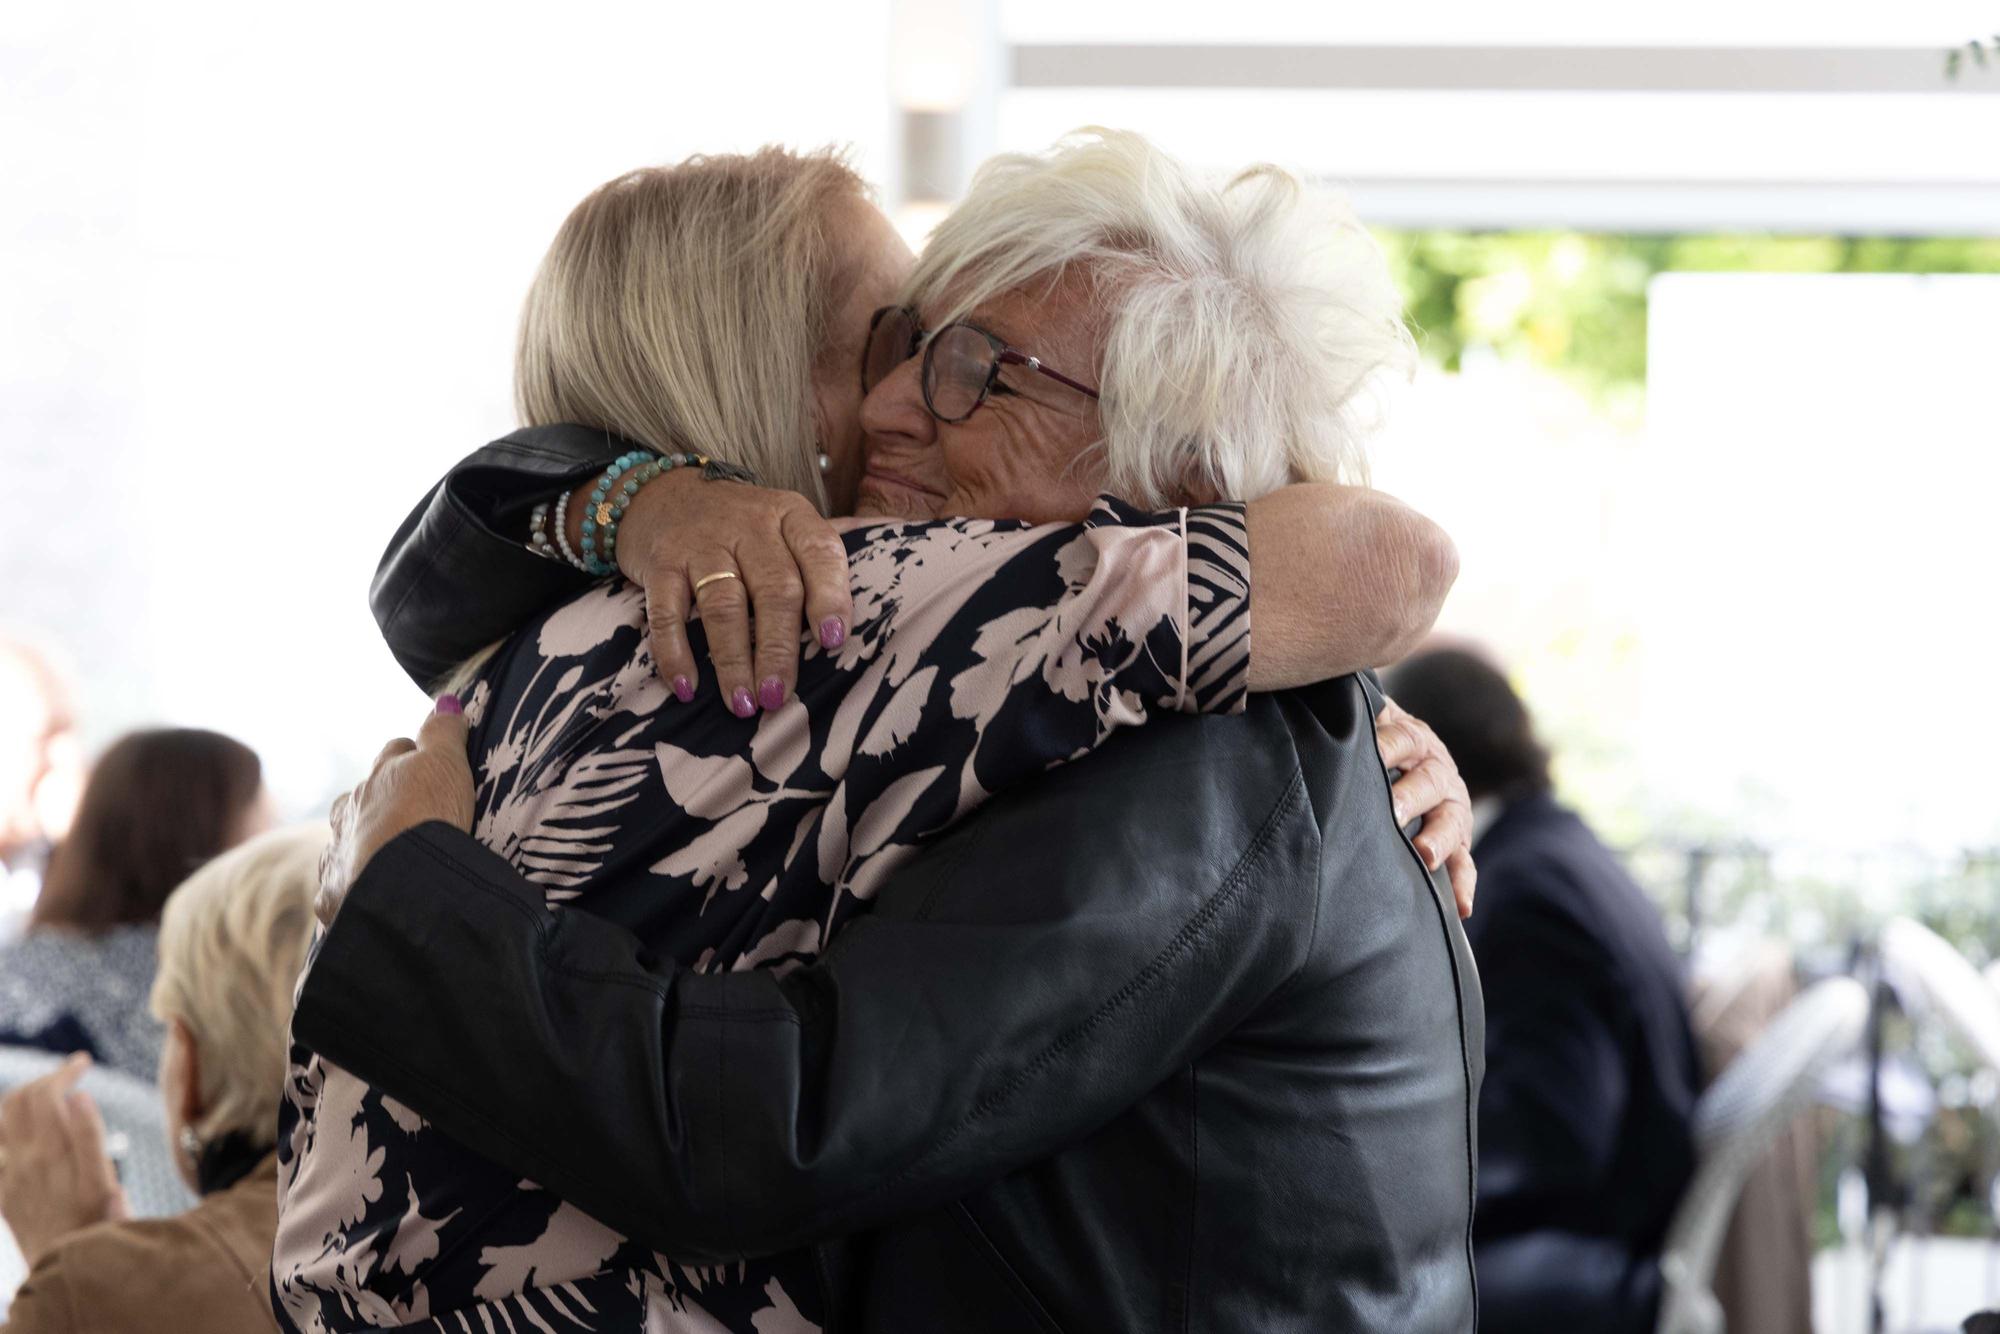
{"x": 1181, "y": 1037}
{"x": 458, "y": 574}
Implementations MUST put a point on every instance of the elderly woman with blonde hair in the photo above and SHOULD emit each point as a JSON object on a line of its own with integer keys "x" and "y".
{"x": 682, "y": 971}
{"x": 232, "y": 939}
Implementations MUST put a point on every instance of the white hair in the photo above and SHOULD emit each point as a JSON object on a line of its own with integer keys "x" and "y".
{"x": 233, "y": 938}
{"x": 1245, "y": 320}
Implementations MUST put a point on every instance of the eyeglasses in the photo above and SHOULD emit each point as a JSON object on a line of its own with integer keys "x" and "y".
{"x": 961, "y": 361}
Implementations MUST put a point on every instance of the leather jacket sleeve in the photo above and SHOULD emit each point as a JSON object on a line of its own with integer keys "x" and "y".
{"x": 1035, "y": 973}
{"x": 458, "y": 573}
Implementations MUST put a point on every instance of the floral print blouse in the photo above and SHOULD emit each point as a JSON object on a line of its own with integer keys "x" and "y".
{"x": 981, "y": 653}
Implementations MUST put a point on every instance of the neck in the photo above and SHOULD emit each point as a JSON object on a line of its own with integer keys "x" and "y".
{"x": 226, "y": 1160}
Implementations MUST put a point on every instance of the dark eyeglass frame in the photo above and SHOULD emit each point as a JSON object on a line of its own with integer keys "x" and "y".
{"x": 1004, "y": 354}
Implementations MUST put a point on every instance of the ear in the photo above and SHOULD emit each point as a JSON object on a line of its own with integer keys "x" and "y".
{"x": 181, "y": 1041}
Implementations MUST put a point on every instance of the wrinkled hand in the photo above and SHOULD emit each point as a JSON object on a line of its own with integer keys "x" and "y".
{"x": 412, "y": 782}
{"x": 55, "y": 1176}
{"x": 1431, "y": 790}
{"x": 790, "y": 564}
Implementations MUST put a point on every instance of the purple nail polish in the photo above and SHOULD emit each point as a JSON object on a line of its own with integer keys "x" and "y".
{"x": 683, "y": 689}
{"x": 741, "y": 704}
{"x": 832, "y": 632}
{"x": 449, "y": 704}
{"x": 771, "y": 694}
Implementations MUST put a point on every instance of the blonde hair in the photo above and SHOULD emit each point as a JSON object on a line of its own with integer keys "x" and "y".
{"x": 233, "y": 939}
{"x": 1246, "y": 321}
{"x": 684, "y": 308}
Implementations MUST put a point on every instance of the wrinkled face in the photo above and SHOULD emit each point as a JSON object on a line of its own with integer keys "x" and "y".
{"x": 1025, "y": 452}
{"x": 870, "y": 249}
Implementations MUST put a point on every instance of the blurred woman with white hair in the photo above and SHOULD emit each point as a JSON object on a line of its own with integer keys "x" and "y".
{"x": 232, "y": 939}
{"x": 1008, "y": 617}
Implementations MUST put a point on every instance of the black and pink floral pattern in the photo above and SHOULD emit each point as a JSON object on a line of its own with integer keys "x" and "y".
{"x": 981, "y": 653}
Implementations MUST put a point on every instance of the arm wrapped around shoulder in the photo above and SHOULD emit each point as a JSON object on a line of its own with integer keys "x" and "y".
{"x": 1347, "y": 578}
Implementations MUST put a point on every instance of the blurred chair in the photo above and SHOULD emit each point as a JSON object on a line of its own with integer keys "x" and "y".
{"x": 1921, "y": 963}
{"x": 1734, "y": 1123}
{"x": 135, "y": 1132}
{"x": 1763, "y": 1268}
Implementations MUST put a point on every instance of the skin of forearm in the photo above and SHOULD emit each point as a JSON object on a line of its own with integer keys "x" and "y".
{"x": 1343, "y": 578}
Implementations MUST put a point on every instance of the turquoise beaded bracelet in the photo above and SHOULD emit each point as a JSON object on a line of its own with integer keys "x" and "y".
{"x": 610, "y": 498}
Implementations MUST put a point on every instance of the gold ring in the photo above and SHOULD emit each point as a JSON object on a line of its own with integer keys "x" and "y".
{"x": 706, "y": 580}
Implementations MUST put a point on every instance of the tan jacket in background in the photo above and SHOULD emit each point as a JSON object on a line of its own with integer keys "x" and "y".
{"x": 207, "y": 1270}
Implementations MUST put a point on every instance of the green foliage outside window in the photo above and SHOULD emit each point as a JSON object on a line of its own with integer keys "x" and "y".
{"x": 1986, "y": 55}
{"x": 1575, "y": 302}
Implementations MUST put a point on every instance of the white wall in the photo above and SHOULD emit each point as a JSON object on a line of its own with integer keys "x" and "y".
{"x": 1820, "y": 632}
{"x": 1766, "y": 612}
{"x": 259, "y": 270}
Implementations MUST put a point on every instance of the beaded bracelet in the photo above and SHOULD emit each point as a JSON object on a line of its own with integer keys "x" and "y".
{"x": 606, "y": 505}
{"x": 538, "y": 532}
{"x": 601, "y": 513}
{"x": 625, "y": 495}
{"x": 562, "y": 532}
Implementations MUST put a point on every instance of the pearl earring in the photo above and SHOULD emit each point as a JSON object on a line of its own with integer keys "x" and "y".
{"x": 191, "y": 1144}
{"x": 825, "y": 463}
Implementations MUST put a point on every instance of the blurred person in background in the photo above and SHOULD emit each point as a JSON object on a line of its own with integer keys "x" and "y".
{"x": 1157, "y": 899}
{"x": 41, "y": 772}
{"x": 232, "y": 940}
{"x": 1592, "y": 1072}
{"x": 157, "y": 804}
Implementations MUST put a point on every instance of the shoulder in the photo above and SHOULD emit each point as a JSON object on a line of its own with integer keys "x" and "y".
{"x": 136, "y": 945}
{"x": 1184, "y": 795}
{"x": 195, "y": 1260}
{"x": 237, "y": 1225}
{"x": 1331, "y": 726}
{"x": 44, "y": 971}
{"x": 562, "y": 443}
{"x": 61, "y": 948}
{"x": 138, "y": 1247}
{"x": 1543, "y": 874}
{"x": 64, "y": 1290}
{"x": 45, "y": 1303}
{"x": 39, "y": 949}
{"x": 1536, "y": 849}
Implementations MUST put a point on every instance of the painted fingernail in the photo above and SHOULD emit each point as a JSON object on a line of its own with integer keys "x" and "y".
{"x": 771, "y": 694}
{"x": 449, "y": 704}
{"x": 741, "y": 704}
{"x": 832, "y": 632}
{"x": 683, "y": 689}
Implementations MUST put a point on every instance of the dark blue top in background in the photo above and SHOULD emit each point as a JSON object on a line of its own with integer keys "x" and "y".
{"x": 1591, "y": 1079}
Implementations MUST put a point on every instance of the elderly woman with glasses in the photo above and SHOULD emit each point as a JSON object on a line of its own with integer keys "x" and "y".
{"x": 1107, "y": 385}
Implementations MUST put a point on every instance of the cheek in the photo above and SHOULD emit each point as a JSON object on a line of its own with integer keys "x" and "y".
{"x": 1006, "y": 472}
{"x": 1050, "y": 477}
{"x": 970, "y": 475}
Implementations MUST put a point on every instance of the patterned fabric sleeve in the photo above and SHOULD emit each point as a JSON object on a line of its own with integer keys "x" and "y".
{"x": 1069, "y": 631}
{"x": 1213, "y": 604}
{"x": 982, "y": 653}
